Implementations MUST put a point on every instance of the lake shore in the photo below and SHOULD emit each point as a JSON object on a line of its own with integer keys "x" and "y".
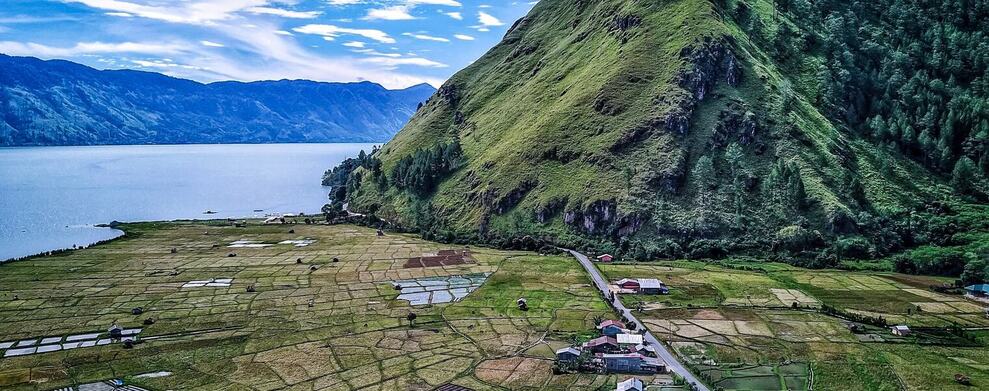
{"x": 54, "y": 197}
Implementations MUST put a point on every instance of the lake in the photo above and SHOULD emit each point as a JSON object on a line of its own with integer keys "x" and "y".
{"x": 51, "y": 197}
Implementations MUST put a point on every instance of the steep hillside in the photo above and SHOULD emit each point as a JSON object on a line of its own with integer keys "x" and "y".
{"x": 686, "y": 128}
{"x": 63, "y": 103}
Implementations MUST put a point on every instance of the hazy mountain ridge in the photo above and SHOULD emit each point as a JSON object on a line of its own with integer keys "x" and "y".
{"x": 63, "y": 103}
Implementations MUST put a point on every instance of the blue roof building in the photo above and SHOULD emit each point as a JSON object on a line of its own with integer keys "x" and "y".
{"x": 978, "y": 290}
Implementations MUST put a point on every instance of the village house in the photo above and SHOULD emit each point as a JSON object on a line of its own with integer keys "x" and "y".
{"x": 631, "y": 363}
{"x": 978, "y": 290}
{"x": 901, "y": 330}
{"x": 652, "y": 286}
{"x": 644, "y": 350}
{"x": 605, "y": 258}
{"x": 628, "y": 284}
{"x": 603, "y": 344}
{"x": 648, "y": 286}
{"x": 611, "y": 328}
{"x": 628, "y": 340}
{"x": 631, "y": 384}
{"x": 568, "y": 354}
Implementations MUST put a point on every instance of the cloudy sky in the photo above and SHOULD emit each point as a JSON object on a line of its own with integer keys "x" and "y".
{"x": 396, "y": 43}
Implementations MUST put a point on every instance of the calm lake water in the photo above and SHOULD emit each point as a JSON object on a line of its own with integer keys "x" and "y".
{"x": 50, "y": 197}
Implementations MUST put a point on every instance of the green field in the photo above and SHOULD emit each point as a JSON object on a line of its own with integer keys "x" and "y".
{"x": 315, "y": 323}
{"x": 353, "y": 335}
{"x": 744, "y": 318}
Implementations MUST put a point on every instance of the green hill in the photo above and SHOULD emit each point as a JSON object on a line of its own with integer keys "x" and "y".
{"x": 697, "y": 128}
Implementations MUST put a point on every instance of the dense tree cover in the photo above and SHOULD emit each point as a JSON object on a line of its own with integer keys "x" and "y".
{"x": 423, "y": 170}
{"x": 340, "y": 178}
{"x": 784, "y": 187}
{"x": 975, "y": 272}
{"x": 910, "y": 74}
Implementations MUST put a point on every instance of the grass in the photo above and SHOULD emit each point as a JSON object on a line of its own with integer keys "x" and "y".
{"x": 353, "y": 335}
{"x": 752, "y": 336}
{"x": 545, "y": 118}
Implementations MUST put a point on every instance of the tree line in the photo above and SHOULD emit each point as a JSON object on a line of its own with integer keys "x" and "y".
{"x": 911, "y": 75}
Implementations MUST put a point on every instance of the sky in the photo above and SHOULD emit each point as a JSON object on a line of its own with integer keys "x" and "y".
{"x": 396, "y": 43}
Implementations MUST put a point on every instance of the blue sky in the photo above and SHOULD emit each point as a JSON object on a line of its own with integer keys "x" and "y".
{"x": 397, "y": 43}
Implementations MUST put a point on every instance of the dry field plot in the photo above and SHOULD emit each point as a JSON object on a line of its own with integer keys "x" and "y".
{"x": 722, "y": 316}
{"x": 891, "y": 296}
{"x": 309, "y": 322}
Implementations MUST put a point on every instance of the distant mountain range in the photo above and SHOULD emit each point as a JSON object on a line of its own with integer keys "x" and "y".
{"x": 64, "y": 103}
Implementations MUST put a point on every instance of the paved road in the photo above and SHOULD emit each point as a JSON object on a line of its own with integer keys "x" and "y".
{"x": 672, "y": 362}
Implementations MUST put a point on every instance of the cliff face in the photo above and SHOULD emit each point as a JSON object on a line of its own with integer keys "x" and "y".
{"x": 62, "y": 103}
{"x": 656, "y": 125}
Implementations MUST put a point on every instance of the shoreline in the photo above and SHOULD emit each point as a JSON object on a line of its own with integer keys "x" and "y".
{"x": 122, "y": 233}
{"x": 374, "y": 143}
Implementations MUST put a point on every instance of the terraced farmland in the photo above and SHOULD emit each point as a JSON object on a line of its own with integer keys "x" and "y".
{"x": 757, "y": 325}
{"x": 325, "y": 315}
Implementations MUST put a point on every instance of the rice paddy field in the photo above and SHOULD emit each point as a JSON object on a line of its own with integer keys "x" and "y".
{"x": 317, "y": 307}
{"x": 289, "y": 307}
{"x": 752, "y": 325}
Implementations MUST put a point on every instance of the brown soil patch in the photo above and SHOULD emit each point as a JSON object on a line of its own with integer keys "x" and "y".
{"x": 709, "y": 315}
{"x": 442, "y": 258}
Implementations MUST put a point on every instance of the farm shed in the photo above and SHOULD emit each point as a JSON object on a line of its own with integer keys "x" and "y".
{"x": 605, "y": 258}
{"x": 652, "y": 286}
{"x": 631, "y": 384}
{"x": 978, "y": 290}
{"x": 602, "y": 344}
{"x": 628, "y": 283}
{"x": 901, "y": 330}
{"x": 568, "y": 354}
{"x": 611, "y": 328}
{"x": 629, "y": 339}
{"x": 632, "y": 363}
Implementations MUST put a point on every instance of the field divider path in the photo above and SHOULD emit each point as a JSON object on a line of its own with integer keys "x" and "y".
{"x": 672, "y": 362}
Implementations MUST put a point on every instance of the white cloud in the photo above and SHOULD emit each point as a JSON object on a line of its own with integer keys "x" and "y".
{"x": 192, "y": 12}
{"x": 392, "y": 62}
{"x": 264, "y": 48}
{"x": 455, "y": 15}
{"x": 397, "y": 12}
{"x": 84, "y": 48}
{"x": 284, "y": 13}
{"x": 283, "y": 57}
{"x": 425, "y": 37}
{"x": 450, "y": 3}
{"x": 487, "y": 20}
{"x": 372, "y": 52}
{"x": 328, "y": 30}
{"x": 463, "y": 37}
{"x": 403, "y": 10}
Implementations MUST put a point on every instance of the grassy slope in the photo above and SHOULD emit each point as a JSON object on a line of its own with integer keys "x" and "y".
{"x": 530, "y": 118}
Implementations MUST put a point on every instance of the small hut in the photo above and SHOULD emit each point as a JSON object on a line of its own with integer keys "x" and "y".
{"x": 900, "y": 330}
{"x": 115, "y": 331}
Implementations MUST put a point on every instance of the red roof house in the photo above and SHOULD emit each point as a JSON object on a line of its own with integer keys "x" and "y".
{"x": 628, "y": 283}
{"x": 605, "y": 258}
{"x": 602, "y": 344}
